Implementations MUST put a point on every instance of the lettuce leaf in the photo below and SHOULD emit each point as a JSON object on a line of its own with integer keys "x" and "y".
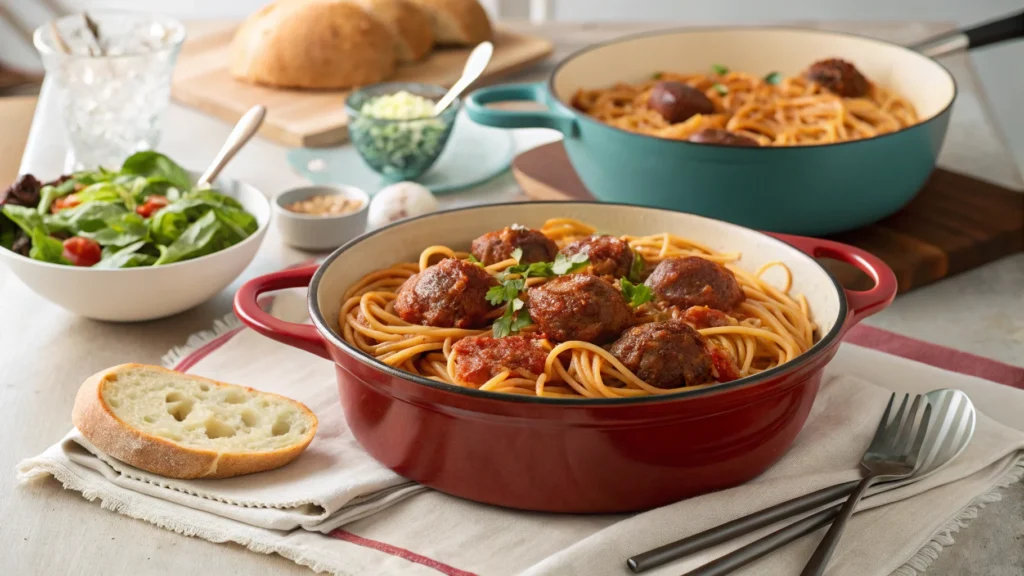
{"x": 150, "y": 163}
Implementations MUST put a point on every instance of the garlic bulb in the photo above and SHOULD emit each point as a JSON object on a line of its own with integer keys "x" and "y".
{"x": 398, "y": 202}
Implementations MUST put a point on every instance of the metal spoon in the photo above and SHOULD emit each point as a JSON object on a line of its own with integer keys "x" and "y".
{"x": 475, "y": 66}
{"x": 950, "y": 431}
{"x": 242, "y": 132}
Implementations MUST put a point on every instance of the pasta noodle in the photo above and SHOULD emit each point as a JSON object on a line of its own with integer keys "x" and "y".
{"x": 770, "y": 327}
{"x": 791, "y": 111}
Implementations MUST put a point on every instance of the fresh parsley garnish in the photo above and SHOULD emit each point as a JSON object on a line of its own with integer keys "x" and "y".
{"x": 773, "y": 78}
{"x": 636, "y": 269}
{"x": 475, "y": 261}
{"x": 517, "y": 254}
{"x": 719, "y": 69}
{"x": 656, "y": 76}
{"x": 636, "y": 294}
{"x": 720, "y": 88}
{"x": 516, "y": 317}
{"x": 505, "y": 292}
{"x": 563, "y": 265}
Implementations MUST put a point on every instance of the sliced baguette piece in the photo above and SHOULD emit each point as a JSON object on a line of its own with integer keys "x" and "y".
{"x": 183, "y": 426}
{"x": 457, "y": 22}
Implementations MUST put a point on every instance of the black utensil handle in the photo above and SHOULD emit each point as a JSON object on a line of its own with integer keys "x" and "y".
{"x": 758, "y": 548}
{"x": 823, "y": 553}
{"x": 1006, "y": 28}
{"x": 738, "y": 527}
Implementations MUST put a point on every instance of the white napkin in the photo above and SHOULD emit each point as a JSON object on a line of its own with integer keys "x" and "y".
{"x": 335, "y": 483}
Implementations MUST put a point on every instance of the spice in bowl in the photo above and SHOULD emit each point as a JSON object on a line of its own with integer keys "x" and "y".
{"x": 394, "y": 128}
{"x": 325, "y": 205}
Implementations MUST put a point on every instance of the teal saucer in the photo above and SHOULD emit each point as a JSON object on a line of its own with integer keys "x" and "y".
{"x": 474, "y": 154}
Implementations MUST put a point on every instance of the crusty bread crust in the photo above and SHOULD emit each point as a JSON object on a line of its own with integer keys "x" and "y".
{"x": 408, "y": 23}
{"x": 470, "y": 20}
{"x": 313, "y": 44}
{"x": 97, "y": 422}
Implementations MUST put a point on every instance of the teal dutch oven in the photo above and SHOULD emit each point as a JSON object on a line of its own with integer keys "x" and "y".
{"x": 811, "y": 190}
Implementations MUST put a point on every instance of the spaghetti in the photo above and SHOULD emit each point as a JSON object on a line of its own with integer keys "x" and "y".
{"x": 772, "y": 111}
{"x": 770, "y": 327}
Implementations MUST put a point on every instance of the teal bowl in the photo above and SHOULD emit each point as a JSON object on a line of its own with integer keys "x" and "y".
{"x": 399, "y": 149}
{"x": 810, "y": 190}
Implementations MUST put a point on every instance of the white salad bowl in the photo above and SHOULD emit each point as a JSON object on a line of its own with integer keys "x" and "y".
{"x": 147, "y": 293}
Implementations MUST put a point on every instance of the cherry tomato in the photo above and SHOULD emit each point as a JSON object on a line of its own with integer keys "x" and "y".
{"x": 82, "y": 251}
{"x": 152, "y": 204}
{"x": 69, "y": 201}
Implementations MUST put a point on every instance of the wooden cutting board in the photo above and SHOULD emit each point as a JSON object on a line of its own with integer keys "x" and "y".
{"x": 317, "y": 117}
{"x": 955, "y": 223}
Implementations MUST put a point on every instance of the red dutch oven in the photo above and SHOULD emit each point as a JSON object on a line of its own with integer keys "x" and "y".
{"x": 556, "y": 455}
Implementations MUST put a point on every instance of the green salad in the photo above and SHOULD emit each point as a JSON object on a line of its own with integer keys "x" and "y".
{"x": 148, "y": 213}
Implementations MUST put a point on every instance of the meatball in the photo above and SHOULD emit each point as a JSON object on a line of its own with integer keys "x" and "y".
{"x": 451, "y": 293}
{"x": 723, "y": 137}
{"x": 494, "y": 247}
{"x": 676, "y": 101}
{"x": 480, "y": 358}
{"x": 839, "y": 77}
{"x": 694, "y": 281}
{"x": 579, "y": 307}
{"x": 608, "y": 255}
{"x": 665, "y": 354}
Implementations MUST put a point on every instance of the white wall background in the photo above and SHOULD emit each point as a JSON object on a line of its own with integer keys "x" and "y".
{"x": 1001, "y": 68}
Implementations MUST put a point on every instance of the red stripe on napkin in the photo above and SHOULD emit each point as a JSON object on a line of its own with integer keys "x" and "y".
{"x": 400, "y": 552}
{"x": 936, "y": 355}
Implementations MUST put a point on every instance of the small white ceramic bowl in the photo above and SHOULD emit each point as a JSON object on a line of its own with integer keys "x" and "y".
{"x": 134, "y": 294}
{"x": 309, "y": 232}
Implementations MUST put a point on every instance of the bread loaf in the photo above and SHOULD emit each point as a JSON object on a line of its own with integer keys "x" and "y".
{"x": 313, "y": 44}
{"x": 184, "y": 426}
{"x": 409, "y": 26}
{"x": 458, "y": 22}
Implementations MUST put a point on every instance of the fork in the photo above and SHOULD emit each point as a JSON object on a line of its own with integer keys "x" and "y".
{"x": 892, "y": 455}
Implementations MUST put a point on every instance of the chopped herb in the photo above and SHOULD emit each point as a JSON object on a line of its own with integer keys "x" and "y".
{"x": 475, "y": 261}
{"x": 636, "y": 269}
{"x": 636, "y": 294}
{"x": 773, "y": 78}
{"x": 517, "y": 254}
{"x": 513, "y": 320}
{"x": 720, "y": 88}
{"x": 719, "y": 69}
{"x": 569, "y": 265}
{"x": 505, "y": 292}
{"x": 502, "y": 327}
{"x": 656, "y": 76}
{"x": 522, "y": 321}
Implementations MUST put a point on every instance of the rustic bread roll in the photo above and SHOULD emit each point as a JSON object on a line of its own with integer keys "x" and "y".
{"x": 459, "y": 22}
{"x": 409, "y": 25}
{"x": 184, "y": 426}
{"x": 313, "y": 44}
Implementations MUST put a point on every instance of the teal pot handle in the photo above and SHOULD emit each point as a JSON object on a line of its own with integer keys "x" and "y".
{"x": 536, "y": 92}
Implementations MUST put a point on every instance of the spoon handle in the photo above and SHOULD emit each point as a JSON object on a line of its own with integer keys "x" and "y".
{"x": 243, "y": 131}
{"x": 475, "y": 66}
{"x": 823, "y": 553}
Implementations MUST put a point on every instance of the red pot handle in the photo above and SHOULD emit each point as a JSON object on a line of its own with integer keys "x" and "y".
{"x": 863, "y": 303}
{"x": 302, "y": 336}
